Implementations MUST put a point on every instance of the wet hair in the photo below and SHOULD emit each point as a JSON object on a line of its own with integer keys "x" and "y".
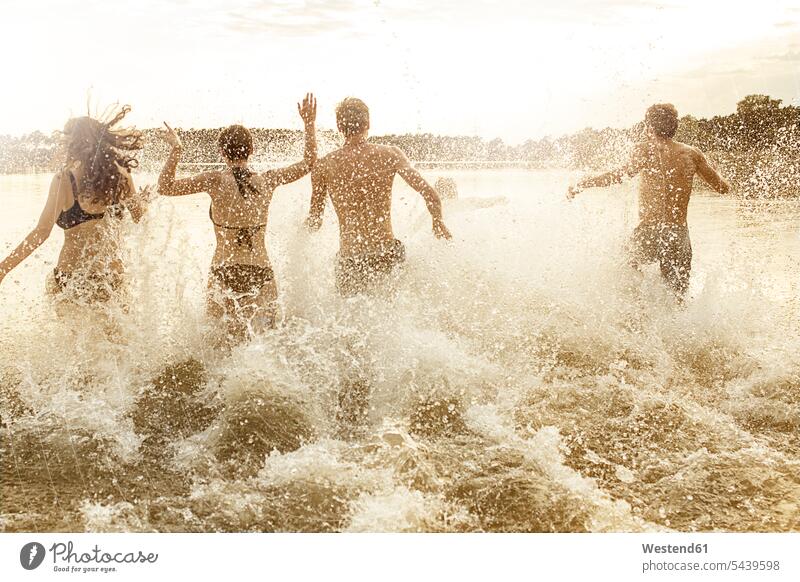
{"x": 662, "y": 119}
{"x": 352, "y": 116}
{"x": 446, "y": 188}
{"x": 236, "y": 143}
{"x": 104, "y": 154}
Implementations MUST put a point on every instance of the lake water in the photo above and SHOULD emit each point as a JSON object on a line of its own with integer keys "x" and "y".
{"x": 523, "y": 379}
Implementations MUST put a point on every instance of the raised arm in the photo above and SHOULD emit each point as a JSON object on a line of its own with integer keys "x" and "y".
{"x": 710, "y": 174}
{"x": 633, "y": 167}
{"x": 319, "y": 192}
{"x": 168, "y": 185}
{"x": 280, "y": 176}
{"x": 414, "y": 179}
{"x": 135, "y": 202}
{"x": 60, "y": 189}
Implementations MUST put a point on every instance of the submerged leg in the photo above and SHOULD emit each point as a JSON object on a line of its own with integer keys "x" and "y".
{"x": 676, "y": 261}
{"x": 220, "y": 308}
{"x": 355, "y": 388}
{"x": 353, "y": 405}
{"x": 260, "y": 312}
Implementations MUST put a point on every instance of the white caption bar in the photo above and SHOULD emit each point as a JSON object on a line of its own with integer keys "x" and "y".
{"x": 386, "y": 557}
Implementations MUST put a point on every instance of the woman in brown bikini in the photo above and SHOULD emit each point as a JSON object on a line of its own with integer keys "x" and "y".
{"x": 94, "y": 186}
{"x": 241, "y": 284}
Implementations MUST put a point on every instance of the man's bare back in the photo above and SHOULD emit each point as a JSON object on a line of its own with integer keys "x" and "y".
{"x": 359, "y": 181}
{"x": 667, "y": 169}
{"x": 358, "y": 177}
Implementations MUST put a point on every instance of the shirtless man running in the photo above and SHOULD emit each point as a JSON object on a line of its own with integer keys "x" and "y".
{"x": 667, "y": 169}
{"x": 358, "y": 177}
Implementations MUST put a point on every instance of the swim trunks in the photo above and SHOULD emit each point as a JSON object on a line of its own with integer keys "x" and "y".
{"x": 356, "y": 275}
{"x": 669, "y": 246}
{"x": 242, "y": 279}
{"x": 91, "y": 287}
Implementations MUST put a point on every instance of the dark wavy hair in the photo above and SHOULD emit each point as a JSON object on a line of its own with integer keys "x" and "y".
{"x": 236, "y": 143}
{"x": 104, "y": 153}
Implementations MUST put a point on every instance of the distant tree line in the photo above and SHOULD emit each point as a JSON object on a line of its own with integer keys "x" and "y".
{"x": 758, "y": 147}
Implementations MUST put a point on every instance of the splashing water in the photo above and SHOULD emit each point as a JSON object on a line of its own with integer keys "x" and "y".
{"x": 523, "y": 379}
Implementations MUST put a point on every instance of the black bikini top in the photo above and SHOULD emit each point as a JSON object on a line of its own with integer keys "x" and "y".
{"x": 244, "y": 234}
{"x": 76, "y": 215}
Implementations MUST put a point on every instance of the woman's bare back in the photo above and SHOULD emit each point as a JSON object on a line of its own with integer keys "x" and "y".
{"x": 240, "y": 222}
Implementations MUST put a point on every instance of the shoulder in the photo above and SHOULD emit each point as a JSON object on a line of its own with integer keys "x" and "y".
{"x": 61, "y": 190}
{"x": 396, "y": 156}
{"x": 211, "y": 178}
{"x": 395, "y": 151}
{"x": 641, "y": 150}
{"x": 62, "y": 174}
{"x": 691, "y": 151}
{"x": 324, "y": 163}
{"x": 640, "y": 155}
{"x": 62, "y": 180}
{"x": 682, "y": 147}
{"x": 329, "y": 158}
{"x": 388, "y": 151}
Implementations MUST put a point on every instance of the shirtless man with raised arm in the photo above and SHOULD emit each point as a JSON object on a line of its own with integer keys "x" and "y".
{"x": 667, "y": 169}
{"x": 358, "y": 177}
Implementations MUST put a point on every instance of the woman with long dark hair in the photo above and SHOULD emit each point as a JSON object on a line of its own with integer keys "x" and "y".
{"x": 241, "y": 285}
{"x": 92, "y": 188}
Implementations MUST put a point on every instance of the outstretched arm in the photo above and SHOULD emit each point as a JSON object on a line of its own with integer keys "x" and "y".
{"x": 280, "y": 176}
{"x": 319, "y": 192}
{"x": 710, "y": 174}
{"x": 168, "y": 185}
{"x": 414, "y": 179}
{"x": 59, "y": 190}
{"x": 633, "y": 167}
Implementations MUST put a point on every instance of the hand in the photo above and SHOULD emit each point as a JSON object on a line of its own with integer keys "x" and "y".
{"x": 172, "y": 138}
{"x": 572, "y": 191}
{"x": 313, "y": 223}
{"x": 440, "y": 230}
{"x": 147, "y": 194}
{"x": 308, "y": 109}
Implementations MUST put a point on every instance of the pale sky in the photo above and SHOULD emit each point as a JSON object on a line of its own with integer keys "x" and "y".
{"x": 514, "y": 69}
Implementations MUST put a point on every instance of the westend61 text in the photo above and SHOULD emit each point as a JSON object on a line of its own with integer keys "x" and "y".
{"x": 64, "y": 553}
{"x": 669, "y": 549}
